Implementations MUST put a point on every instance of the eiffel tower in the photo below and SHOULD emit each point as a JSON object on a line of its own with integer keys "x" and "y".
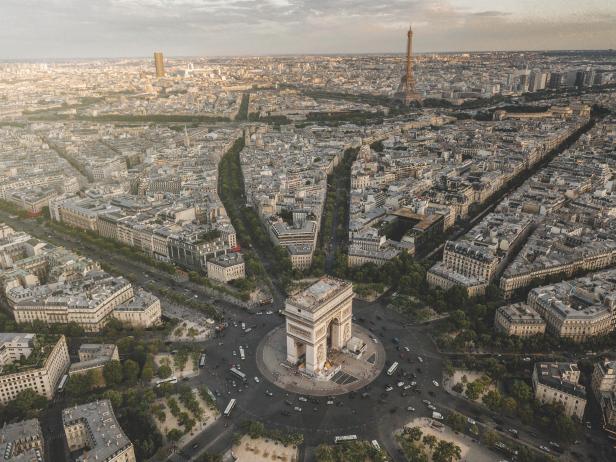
{"x": 406, "y": 90}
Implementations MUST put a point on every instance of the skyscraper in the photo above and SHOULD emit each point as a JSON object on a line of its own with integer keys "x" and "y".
{"x": 159, "y": 64}
{"x": 406, "y": 90}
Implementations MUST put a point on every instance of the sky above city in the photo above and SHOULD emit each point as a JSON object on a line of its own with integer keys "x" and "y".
{"x": 116, "y": 28}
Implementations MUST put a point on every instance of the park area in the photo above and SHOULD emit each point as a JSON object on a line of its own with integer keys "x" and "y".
{"x": 438, "y": 442}
{"x": 263, "y": 450}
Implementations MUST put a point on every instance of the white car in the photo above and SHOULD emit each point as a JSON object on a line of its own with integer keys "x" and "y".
{"x": 389, "y": 388}
{"x": 234, "y": 353}
{"x": 407, "y": 349}
{"x": 269, "y": 393}
{"x": 330, "y": 402}
{"x": 420, "y": 359}
{"x": 400, "y": 384}
{"x": 435, "y": 383}
{"x": 257, "y": 379}
{"x": 375, "y": 340}
{"x": 297, "y": 408}
{"x": 303, "y": 399}
{"x": 410, "y": 409}
{"x": 269, "y": 312}
{"x": 407, "y": 387}
{"x": 431, "y": 407}
{"x": 413, "y": 384}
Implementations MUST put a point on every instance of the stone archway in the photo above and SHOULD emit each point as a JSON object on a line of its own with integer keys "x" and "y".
{"x": 333, "y": 334}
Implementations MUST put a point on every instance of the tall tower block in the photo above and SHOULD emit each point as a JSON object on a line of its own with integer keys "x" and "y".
{"x": 159, "y": 64}
{"x": 406, "y": 90}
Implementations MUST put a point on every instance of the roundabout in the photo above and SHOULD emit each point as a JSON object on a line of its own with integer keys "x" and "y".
{"x": 353, "y": 372}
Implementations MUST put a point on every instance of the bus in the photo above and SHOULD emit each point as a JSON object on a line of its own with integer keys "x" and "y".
{"x": 202, "y": 361}
{"x": 392, "y": 368}
{"x": 229, "y": 407}
{"x": 242, "y": 354}
{"x": 172, "y": 379}
{"x": 238, "y": 373}
{"x": 376, "y": 445}
{"x": 344, "y": 438}
{"x": 62, "y": 383}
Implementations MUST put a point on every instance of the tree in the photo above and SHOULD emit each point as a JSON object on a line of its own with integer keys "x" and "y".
{"x": 446, "y": 451}
{"x": 456, "y": 421}
{"x": 489, "y": 437}
{"x": 430, "y": 441}
{"x": 413, "y": 433}
{"x": 164, "y": 371}
{"x": 130, "y": 371}
{"x": 26, "y": 404}
{"x": 80, "y": 384}
{"x": 509, "y": 405}
{"x": 115, "y": 397}
{"x": 174, "y": 435}
{"x": 492, "y": 399}
{"x": 112, "y": 371}
{"x": 521, "y": 391}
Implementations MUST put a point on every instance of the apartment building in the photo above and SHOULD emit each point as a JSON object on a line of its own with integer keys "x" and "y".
{"x": 49, "y": 361}
{"x": 93, "y": 426}
{"x": 22, "y": 441}
{"x": 227, "y": 267}
{"x": 559, "y": 383}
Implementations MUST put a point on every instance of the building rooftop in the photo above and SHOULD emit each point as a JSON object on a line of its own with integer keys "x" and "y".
{"x": 14, "y": 436}
{"x": 104, "y": 434}
{"x": 324, "y": 289}
{"x": 554, "y": 375}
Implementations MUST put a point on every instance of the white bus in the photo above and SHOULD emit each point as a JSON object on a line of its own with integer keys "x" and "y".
{"x": 344, "y": 438}
{"x": 242, "y": 354}
{"x": 238, "y": 373}
{"x": 62, "y": 384}
{"x": 229, "y": 407}
{"x": 376, "y": 445}
{"x": 202, "y": 361}
{"x": 172, "y": 379}
{"x": 392, "y": 368}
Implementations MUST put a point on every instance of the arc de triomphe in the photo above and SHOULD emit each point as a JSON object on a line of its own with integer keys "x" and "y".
{"x": 318, "y": 319}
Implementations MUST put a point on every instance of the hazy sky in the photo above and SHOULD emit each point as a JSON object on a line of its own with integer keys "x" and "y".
{"x": 110, "y": 28}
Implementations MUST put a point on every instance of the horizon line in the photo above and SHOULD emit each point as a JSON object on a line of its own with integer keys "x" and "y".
{"x": 273, "y": 55}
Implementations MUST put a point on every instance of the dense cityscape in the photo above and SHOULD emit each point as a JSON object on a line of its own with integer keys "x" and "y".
{"x": 324, "y": 257}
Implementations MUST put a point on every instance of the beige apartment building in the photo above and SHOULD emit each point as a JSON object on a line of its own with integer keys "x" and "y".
{"x": 44, "y": 379}
{"x": 142, "y": 311}
{"x": 91, "y": 313}
{"x": 93, "y": 426}
{"x": 519, "y": 320}
{"x": 226, "y": 267}
{"x": 558, "y": 383}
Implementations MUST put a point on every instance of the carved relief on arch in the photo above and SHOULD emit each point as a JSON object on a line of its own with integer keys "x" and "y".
{"x": 347, "y": 331}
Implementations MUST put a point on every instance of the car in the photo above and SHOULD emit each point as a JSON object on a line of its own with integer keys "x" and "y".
{"x": 269, "y": 393}
{"x": 257, "y": 379}
{"x": 269, "y": 312}
{"x": 365, "y": 395}
{"x": 407, "y": 349}
{"x": 471, "y": 421}
{"x": 297, "y": 409}
{"x": 413, "y": 384}
{"x": 395, "y": 340}
{"x": 526, "y": 360}
{"x": 543, "y": 448}
{"x": 432, "y": 407}
{"x": 288, "y": 403}
{"x": 435, "y": 383}
{"x": 374, "y": 340}
{"x": 400, "y": 384}
{"x": 389, "y": 388}
{"x": 410, "y": 409}
{"x": 406, "y": 387}
{"x": 234, "y": 353}
{"x": 330, "y": 402}
{"x": 420, "y": 359}
{"x": 426, "y": 402}
{"x": 303, "y": 399}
